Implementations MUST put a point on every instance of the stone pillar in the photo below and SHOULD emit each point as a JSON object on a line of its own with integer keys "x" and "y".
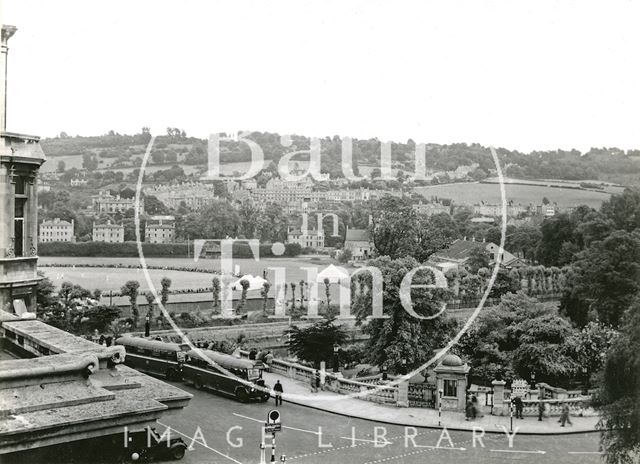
{"x": 6, "y": 206}
{"x": 31, "y": 216}
{"x": 498, "y": 397}
{"x": 312, "y": 304}
{"x": 7, "y": 32}
{"x": 403, "y": 394}
{"x": 453, "y": 372}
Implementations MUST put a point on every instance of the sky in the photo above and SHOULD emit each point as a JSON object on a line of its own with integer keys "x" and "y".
{"x": 521, "y": 75}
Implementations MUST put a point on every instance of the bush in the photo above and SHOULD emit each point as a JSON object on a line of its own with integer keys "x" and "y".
{"x": 130, "y": 249}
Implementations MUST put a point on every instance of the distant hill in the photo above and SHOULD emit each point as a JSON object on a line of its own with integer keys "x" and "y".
{"x": 116, "y": 151}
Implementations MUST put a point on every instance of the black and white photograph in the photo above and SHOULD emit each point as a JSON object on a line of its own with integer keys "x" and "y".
{"x": 296, "y": 231}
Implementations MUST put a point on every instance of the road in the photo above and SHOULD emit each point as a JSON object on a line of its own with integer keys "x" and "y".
{"x": 230, "y": 432}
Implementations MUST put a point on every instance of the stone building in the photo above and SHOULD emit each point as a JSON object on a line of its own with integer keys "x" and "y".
{"x": 104, "y": 202}
{"x": 312, "y": 238}
{"x": 109, "y": 233}
{"x": 20, "y": 159}
{"x": 359, "y": 243}
{"x": 160, "y": 229}
{"x": 56, "y": 230}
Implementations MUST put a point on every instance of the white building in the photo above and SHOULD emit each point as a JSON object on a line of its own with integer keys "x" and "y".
{"x": 429, "y": 209}
{"x": 160, "y": 229}
{"x": 104, "y": 202}
{"x": 359, "y": 243}
{"x": 110, "y": 233}
{"x": 56, "y": 230}
{"x": 496, "y": 210}
{"x": 312, "y": 238}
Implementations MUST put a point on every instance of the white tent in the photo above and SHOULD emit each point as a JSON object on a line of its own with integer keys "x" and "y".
{"x": 255, "y": 282}
{"x": 335, "y": 274}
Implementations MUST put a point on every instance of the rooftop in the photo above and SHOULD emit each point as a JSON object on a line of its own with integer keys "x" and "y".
{"x": 357, "y": 235}
{"x": 460, "y": 249}
{"x": 80, "y": 390}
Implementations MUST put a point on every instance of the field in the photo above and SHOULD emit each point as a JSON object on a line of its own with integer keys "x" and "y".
{"x": 113, "y": 279}
{"x": 474, "y": 193}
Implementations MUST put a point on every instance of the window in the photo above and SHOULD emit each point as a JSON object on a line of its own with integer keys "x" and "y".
{"x": 450, "y": 388}
{"x": 18, "y": 226}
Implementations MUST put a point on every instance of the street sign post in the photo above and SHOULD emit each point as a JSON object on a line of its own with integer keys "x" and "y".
{"x": 272, "y": 426}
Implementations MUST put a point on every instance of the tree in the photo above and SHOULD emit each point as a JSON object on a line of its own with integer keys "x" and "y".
{"x": 165, "y": 283}
{"x": 591, "y": 345}
{"x": 89, "y": 161}
{"x": 249, "y": 217}
{"x": 478, "y": 259}
{"x": 402, "y": 336}
{"x": 327, "y": 292}
{"x": 394, "y": 228}
{"x": 150, "y": 301}
{"x": 345, "y": 255}
{"x": 505, "y": 283}
{"x": 154, "y": 206}
{"x": 517, "y": 338}
{"x": 244, "y": 283}
{"x": 545, "y": 201}
{"x": 264, "y": 292}
{"x": 75, "y": 309}
{"x": 130, "y": 289}
{"x": 604, "y": 280}
{"x": 158, "y": 157}
{"x": 61, "y": 166}
{"x": 624, "y": 210}
{"x": 216, "y": 291}
{"x": 45, "y": 293}
{"x": 293, "y": 296}
{"x": 619, "y": 396}
{"x": 272, "y": 224}
{"x": 315, "y": 343}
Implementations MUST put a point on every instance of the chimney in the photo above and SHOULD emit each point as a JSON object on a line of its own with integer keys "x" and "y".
{"x": 7, "y": 32}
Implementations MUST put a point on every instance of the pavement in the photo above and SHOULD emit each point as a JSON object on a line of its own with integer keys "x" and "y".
{"x": 299, "y": 393}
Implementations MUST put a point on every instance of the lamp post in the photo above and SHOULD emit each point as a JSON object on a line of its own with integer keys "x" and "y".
{"x": 585, "y": 375}
{"x": 404, "y": 366}
{"x": 147, "y": 325}
{"x": 336, "y": 358}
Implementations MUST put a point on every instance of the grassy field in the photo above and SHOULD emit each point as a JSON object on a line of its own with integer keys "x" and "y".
{"x": 113, "y": 279}
{"x": 472, "y": 193}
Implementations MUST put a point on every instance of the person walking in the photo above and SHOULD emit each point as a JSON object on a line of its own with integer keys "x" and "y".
{"x": 312, "y": 379}
{"x": 541, "y": 409}
{"x": 564, "y": 415}
{"x": 277, "y": 389}
{"x": 517, "y": 401}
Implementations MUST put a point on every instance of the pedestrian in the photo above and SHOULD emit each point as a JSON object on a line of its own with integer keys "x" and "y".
{"x": 252, "y": 354}
{"x": 268, "y": 359}
{"x": 475, "y": 408}
{"x": 317, "y": 380}
{"x": 101, "y": 340}
{"x": 469, "y": 411}
{"x": 517, "y": 401}
{"x": 312, "y": 381}
{"x": 564, "y": 415}
{"x": 277, "y": 390}
{"x": 540, "y": 409}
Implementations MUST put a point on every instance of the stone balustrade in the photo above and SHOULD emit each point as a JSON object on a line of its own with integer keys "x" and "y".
{"x": 368, "y": 391}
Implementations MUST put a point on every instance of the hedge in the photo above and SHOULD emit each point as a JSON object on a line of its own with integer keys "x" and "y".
{"x": 130, "y": 249}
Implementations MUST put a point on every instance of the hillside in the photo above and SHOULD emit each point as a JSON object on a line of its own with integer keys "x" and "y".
{"x": 116, "y": 152}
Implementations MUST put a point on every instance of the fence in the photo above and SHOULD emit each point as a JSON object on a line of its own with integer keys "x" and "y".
{"x": 367, "y": 391}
